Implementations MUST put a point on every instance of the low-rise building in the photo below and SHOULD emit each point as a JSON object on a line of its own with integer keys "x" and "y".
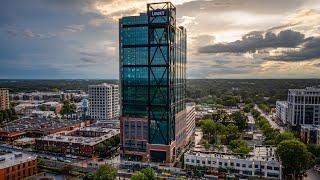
{"x": 17, "y": 166}
{"x": 310, "y": 134}
{"x": 81, "y": 142}
{"x": 36, "y": 127}
{"x": 261, "y": 162}
{"x": 282, "y": 111}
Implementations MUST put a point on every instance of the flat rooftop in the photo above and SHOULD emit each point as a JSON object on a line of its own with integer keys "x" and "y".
{"x": 12, "y": 159}
{"x": 81, "y": 140}
{"x": 259, "y": 153}
{"x": 37, "y": 124}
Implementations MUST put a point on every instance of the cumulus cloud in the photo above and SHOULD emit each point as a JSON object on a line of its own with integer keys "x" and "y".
{"x": 310, "y": 49}
{"x": 257, "y": 40}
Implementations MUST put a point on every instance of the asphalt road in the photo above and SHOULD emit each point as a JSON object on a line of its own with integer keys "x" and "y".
{"x": 272, "y": 123}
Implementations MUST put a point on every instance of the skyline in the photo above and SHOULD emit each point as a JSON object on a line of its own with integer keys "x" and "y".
{"x": 43, "y": 39}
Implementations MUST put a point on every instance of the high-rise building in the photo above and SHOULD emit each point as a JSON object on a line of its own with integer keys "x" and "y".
{"x": 104, "y": 101}
{"x": 282, "y": 111}
{"x": 4, "y": 99}
{"x": 304, "y": 106}
{"x": 153, "y": 84}
{"x": 190, "y": 120}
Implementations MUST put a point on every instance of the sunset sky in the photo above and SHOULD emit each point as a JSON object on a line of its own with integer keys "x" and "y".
{"x": 64, "y": 39}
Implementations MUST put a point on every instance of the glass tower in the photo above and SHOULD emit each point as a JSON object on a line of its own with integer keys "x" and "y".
{"x": 153, "y": 84}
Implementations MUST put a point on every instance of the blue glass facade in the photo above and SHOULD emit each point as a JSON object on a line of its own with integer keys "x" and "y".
{"x": 153, "y": 71}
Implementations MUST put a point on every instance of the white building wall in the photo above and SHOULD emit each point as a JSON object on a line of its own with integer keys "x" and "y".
{"x": 103, "y": 101}
{"x": 304, "y": 106}
{"x": 282, "y": 110}
{"x": 190, "y": 119}
{"x": 268, "y": 167}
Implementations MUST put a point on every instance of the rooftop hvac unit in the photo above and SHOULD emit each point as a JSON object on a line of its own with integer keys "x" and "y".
{"x": 18, "y": 154}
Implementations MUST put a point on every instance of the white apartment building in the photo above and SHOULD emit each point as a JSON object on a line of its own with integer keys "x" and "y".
{"x": 190, "y": 120}
{"x": 104, "y": 101}
{"x": 304, "y": 106}
{"x": 282, "y": 110}
{"x": 259, "y": 163}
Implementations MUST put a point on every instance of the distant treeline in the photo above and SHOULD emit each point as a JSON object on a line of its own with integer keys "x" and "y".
{"x": 257, "y": 90}
{"x": 16, "y": 86}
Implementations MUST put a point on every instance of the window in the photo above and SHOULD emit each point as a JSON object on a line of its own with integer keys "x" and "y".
{"x": 276, "y": 168}
{"x": 269, "y": 167}
{"x": 238, "y": 164}
{"x": 187, "y": 160}
{"x": 232, "y": 164}
{"x": 203, "y": 162}
{"x": 262, "y": 167}
{"x": 209, "y": 162}
{"x": 244, "y": 165}
{"x": 256, "y": 166}
{"x": 220, "y": 163}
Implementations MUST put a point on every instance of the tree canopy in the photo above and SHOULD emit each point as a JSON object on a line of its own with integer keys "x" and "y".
{"x": 138, "y": 176}
{"x": 239, "y": 146}
{"x": 106, "y": 172}
{"x": 240, "y": 119}
{"x": 294, "y": 156}
{"x": 68, "y": 107}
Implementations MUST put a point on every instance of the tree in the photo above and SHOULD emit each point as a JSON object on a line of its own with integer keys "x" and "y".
{"x": 101, "y": 150}
{"x": 239, "y": 146}
{"x": 42, "y": 107}
{"x": 220, "y": 116}
{"x": 68, "y": 107}
{"x": 265, "y": 108}
{"x": 248, "y": 107}
{"x": 209, "y": 130}
{"x": 240, "y": 119}
{"x": 284, "y": 136}
{"x": 231, "y": 132}
{"x": 66, "y": 170}
{"x": 255, "y": 113}
{"x": 294, "y": 156}
{"x": 149, "y": 173}
{"x": 106, "y": 172}
{"x": 315, "y": 150}
{"x": 138, "y": 176}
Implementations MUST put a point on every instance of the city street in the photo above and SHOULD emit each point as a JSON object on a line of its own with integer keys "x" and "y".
{"x": 272, "y": 123}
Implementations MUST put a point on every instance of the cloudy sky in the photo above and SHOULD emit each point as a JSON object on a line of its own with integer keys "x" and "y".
{"x": 226, "y": 38}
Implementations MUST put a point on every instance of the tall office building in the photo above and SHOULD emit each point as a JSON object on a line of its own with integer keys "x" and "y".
{"x": 4, "y": 99}
{"x": 153, "y": 84}
{"x": 104, "y": 101}
{"x": 304, "y": 106}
